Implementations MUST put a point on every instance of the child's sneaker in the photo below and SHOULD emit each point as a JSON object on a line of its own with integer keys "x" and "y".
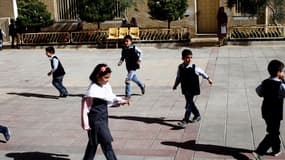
{"x": 276, "y": 154}
{"x": 257, "y": 156}
{"x": 7, "y": 134}
{"x": 143, "y": 90}
{"x": 196, "y": 119}
{"x": 182, "y": 124}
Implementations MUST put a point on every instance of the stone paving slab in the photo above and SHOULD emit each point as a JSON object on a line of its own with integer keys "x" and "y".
{"x": 44, "y": 125}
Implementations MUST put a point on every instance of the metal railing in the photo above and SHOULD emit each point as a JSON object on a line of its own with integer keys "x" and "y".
{"x": 257, "y": 32}
{"x": 175, "y": 34}
{"x": 101, "y": 36}
{"x": 88, "y": 37}
{"x": 45, "y": 38}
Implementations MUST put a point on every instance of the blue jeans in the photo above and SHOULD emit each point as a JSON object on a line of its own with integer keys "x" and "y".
{"x": 57, "y": 83}
{"x": 190, "y": 108}
{"x": 132, "y": 77}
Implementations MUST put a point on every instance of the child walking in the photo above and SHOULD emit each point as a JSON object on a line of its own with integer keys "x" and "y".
{"x": 272, "y": 90}
{"x": 188, "y": 75}
{"x": 57, "y": 72}
{"x": 98, "y": 97}
{"x": 133, "y": 56}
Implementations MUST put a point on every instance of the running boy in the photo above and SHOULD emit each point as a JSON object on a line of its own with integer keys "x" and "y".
{"x": 188, "y": 75}
{"x": 273, "y": 92}
{"x": 133, "y": 57}
{"x": 57, "y": 72}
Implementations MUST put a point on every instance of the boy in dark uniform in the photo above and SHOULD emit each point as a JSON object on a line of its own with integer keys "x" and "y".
{"x": 273, "y": 92}
{"x": 133, "y": 56}
{"x": 188, "y": 75}
{"x": 57, "y": 72}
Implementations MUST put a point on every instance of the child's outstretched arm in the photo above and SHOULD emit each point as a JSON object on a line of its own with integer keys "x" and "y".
{"x": 210, "y": 81}
{"x": 123, "y": 101}
{"x": 121, "y": 59}
{"x": 177, "y": 79}
{"x": 202, "y": 73}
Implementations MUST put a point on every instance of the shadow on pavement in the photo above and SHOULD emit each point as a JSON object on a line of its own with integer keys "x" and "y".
{"x": 122, "y": 95}
{"x": 26, "y": 94}
{"x": 76, "y": 95}
{"x": 236, "y": 153}
{"x": 37, "y": 95}
{"x": 149, "y": 120}
{"x": 37, "y": 156}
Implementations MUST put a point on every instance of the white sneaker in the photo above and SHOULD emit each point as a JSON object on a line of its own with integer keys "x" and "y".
{"x": 182, "y": 124}
{"x": 276, "y": 154}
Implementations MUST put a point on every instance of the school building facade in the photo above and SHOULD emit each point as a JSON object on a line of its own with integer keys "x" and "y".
{"x": 200, "y": 16}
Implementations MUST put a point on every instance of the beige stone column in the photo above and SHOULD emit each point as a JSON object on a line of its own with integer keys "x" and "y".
{"x": 52, "y": 8}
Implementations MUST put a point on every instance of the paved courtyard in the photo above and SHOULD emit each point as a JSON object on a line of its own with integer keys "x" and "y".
{"x": 44, "y": 126}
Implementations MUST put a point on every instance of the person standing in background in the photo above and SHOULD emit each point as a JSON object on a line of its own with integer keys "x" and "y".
{"x": 222, "y": 20}
{"x": 12, "y": 32}
{"x": 2, "y": 35}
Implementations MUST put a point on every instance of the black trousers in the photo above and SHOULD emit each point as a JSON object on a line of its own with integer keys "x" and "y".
{"x": 92, "y": 148}
{"x": 271, "y": 140}
{"x": 190, "y": 108}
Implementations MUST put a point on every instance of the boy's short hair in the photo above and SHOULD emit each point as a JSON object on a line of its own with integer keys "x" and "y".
{"x": 274, "y": 67}
{"x": 128, "y": 37}
{"x": 50, "y": 50}
{"x": 186, "y": 52}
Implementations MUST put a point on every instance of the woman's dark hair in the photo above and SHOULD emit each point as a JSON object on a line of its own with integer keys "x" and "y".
{"x": 186, "y": 52}
{"x": 99, "y": 71}
{"x": 274, "y": 67}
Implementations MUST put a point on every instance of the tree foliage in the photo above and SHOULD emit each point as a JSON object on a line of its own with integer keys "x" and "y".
{"x": 96, "y": 10}
{"x": 124, "y": 4}
{"x": 167, "y": 10}
{"x": 33, "y": 14}
{"x": 257, "y": 7}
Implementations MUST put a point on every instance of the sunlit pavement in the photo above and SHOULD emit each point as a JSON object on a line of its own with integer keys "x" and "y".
{"x": 44, "y": 126}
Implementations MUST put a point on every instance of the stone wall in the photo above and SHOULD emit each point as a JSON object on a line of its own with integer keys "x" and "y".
{"x": 6, "y": 8}
{"x": 51, "y": 6}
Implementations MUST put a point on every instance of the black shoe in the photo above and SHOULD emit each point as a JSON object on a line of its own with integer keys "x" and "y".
{"x": 7, "y": 134}
{"x": 143, "y": 90}
{"x": 196, "y": 119}
{"x": 63, "y": 95}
